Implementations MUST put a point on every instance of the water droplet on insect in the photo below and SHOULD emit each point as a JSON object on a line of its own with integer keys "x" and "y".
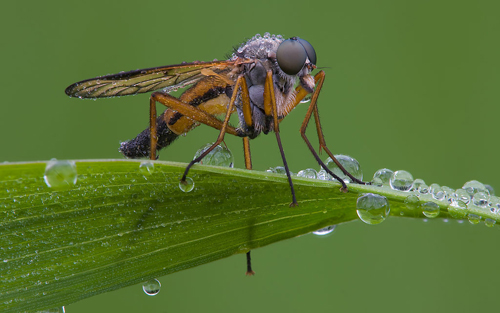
{"x": 473, "y": 187}
{"x": 401, "y": 180}
{"x": 325, "y": 230}
{"x": 430, "y": 209}
{"x": 186, "y": 186}
{"x": 151, "y": 287}
{"x": 411, "y": 202}
{"x": 146, "y": 168}
{"x": 308, "y": 173}
{"x": 420, "y": 186}
{"x": 473, "y": 218}
{"x": 350, "y": 164}
{"x": 219, "y": 156}
{"x": 489, "y": 222}
{"x": 60, "y": 175}
{"x": 372, "y": 208}
{"x": 384, "y": 175}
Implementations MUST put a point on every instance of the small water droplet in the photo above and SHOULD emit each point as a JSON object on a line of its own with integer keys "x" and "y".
{"x": 490, "y": 190}
{"x": 151, "y": 287}
{"x": 60, "y": 175}
{"x": 420, "y": 186}
{"x": 349, "y": 163}
{"x": 473, "y": 218}
{"x": 219, "y": 156}
{"x": 401, "y": 180}
{"x": 186, "y": 186}
{"x": 411, "y": 202}
{"x": 458, "y": 209}
{"x": 384, "y": 175}
{"x": 308, "y": 173}
{"x": 481, "y": 199}
{"x": 489, "y": 222}
{"x": 473, "y": 187}
{"x": 461, "y": 195}
{"x": 323, "y": 175}
{"x": 53, "y": 310}
{"x": 437, "y": 192}
{"x": 372, "y": 208}
{"x": 146, "y": 168}
{"x": 280, "y": 170}
{"x": 430, "y": 209}
{"x": 325, "y": 230}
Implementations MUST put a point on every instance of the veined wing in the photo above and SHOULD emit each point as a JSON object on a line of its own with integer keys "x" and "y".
{"x": 145, "y": 80}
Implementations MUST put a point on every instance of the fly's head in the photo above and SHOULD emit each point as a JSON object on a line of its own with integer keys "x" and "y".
{"x": 296, "y": 58}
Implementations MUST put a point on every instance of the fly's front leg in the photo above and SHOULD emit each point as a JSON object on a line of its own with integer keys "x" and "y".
{"x": 270, "y": 107}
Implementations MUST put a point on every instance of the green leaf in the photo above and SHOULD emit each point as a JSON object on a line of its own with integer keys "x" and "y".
{"x": 119, "y": 226}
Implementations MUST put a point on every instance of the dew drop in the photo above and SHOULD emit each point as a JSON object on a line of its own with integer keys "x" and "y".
{"x": 186, "y": 186}
{"x": 323, "y": 175}
{"x": 53, "y": 310}
{"x": 473, "y": 187}
{"x": 401, "y": 180}
{"x": 473, "y": 218}
{"x": 372, "y": 208}
{"x": 481, "y": 199}
{"x": 350, "y": 164}
{"x": 462, "y": 195}
{"x": 430, "y": 209}
{"x": 60, "y": 175}
{"x": 411, "y": 202}
{"x": 490, "y": 190}
{"x": 308, "y": 173}
{"x": 437, "y": 192}
{"x": 458, "y": 209}
{"x": 219, "y": 156}
{"x": 384, "y": 175}
{"x": 151, "y": 287}
{"x": 280, "y": 170}
{"x": 489, "y": 222}
{"x": 146, "y": 168}
{"x": 325, "y": 230}
{"x": 420, "y": 186}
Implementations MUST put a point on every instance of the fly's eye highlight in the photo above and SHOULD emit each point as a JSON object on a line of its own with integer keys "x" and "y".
{"x": 292, "y": 54}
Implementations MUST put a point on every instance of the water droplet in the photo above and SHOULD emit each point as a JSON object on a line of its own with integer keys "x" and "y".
{"x": 308, "y": 173}
{"x": 401, "y": 180}
{"x": 53, "y": 310}
{"x": 473, "y": 218}
{"x": 280, "y": 170}
{"x": 219, "y": 156}
{"x": 481, "y": 199}
{"x": 489, "y": 222}
{"x": 325, "y": 230}
{"x": 187, "y": 185}
{"x": 323, "y": 175}
{"x": 430, "y": 209}
{"x": 490, "y": 190}
{"x": 437, "y": 192}
{"x": 152, "y": 287}
{"x": 146, "y": 168}
{"x": 461, "y": 195}
{"x": 60, "y": 175}
{"x": 377, "y": 182}
{"x": 458, "y": 209}
{"x": 350, "y": 164}
{"x": 372, "y": 208}
{"x": 411, "y": 202}
{"x": 473, "y": 187}
{"x": 420, "y": 186}
{"x": 384, "y": 175}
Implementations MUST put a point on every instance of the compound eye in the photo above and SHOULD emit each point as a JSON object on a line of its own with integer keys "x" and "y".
{"x": 311, "y": 54}
{"x": 291, "y": 56}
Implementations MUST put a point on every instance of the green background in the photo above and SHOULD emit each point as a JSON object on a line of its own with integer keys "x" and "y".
{"x": 410, "y": 85}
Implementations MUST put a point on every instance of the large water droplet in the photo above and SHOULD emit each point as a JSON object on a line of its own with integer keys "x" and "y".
{"x": 384, "y": 175}
{"x": 430, "y": 209}
{"x": 219, "y": 156}
{"x": 473, "y": 187}
{"x": 187, "y": 185}
{"x": 60, "y": 175}
{"x": 401, "y": 180}
{"x": 152, "y": 287}
{"x": 325, "y": 230}
{"x": 308, "y": 173}
{"x": 372, "y": 209}
{"x": 350, "y": 164}
{"x": 146, "y": 168}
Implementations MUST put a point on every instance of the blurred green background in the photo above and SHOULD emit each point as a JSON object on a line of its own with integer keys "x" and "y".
{"x": 410, "y": 85}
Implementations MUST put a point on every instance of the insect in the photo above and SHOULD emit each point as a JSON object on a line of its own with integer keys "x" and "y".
{"x": 262, "y": 81}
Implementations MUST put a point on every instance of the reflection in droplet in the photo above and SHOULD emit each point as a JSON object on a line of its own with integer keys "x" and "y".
{"x": 219, "y": 156}
{"x": 187, "y": 185}
{"x": 350, "y": 164}
{"x": 401, "y": 180}
{"x": 60, "y": 175}
{"x": 151, "y": 287}
{"x": 384, "y": 175}
{"x": 430, "y": 209}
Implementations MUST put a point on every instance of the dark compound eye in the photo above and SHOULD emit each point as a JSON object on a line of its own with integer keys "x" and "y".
{"x": 292, "y": 54}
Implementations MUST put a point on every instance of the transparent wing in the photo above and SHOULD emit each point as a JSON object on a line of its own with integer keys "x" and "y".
{"x": 145, "y": 80}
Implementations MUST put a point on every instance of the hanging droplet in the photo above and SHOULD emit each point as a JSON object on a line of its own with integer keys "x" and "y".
{"x": 151, "y": 287}
{"x": 430, "y": 209}
{"x": 372, "y": 208}
{"x": 411, "y": 202}
{"x": 325, "y": 230}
